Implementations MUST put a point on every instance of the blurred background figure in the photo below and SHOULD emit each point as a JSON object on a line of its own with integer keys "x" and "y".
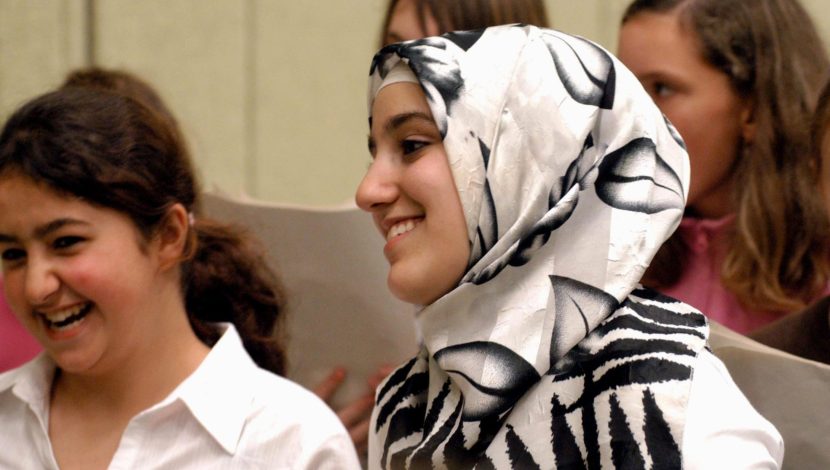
{"x": 807, "y": 333}
{"x": 414, "y": 19}
{"x": 739, "y": 79}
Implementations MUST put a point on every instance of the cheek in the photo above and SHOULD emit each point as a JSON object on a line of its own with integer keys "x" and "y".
{"x": 13, "y": 290}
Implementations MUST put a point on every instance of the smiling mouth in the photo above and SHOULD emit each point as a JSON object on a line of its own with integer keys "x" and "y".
{"x": 66, "y": 319}
{"x": 402, "y": 227}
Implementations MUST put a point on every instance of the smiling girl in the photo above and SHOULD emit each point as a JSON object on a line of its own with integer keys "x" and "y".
{"x": 149, "y": 316}
{"x": 523, "y": 180}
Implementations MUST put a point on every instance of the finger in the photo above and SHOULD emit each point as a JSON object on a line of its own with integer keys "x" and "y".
{"x": 360, "y": 435}
{"x": 356, "y": 411}
{"x": 330, "y": 384}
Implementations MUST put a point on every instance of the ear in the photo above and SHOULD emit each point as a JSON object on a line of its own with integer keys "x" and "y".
{"x": 171, "y": 236}
{"x": 747, "y": 117}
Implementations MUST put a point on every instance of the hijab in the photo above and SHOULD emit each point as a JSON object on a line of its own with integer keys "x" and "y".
{"x": 548, "y": 350}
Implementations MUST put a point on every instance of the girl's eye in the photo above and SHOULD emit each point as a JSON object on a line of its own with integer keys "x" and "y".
{"x": 13, "y": 254}
{"x": 411, "y": 145}
{"x": 66, "y": 242}
{"x": 662, "y": 90}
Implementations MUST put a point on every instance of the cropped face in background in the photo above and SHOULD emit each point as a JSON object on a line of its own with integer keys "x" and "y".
{"x": 405, "y": 24}
{"x": 77, "y": 276}
{"x": 696, "y": 97}
{"x": 410, "y": 193}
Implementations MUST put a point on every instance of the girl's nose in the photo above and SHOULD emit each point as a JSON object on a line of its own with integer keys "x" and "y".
{"x": 41, "y": 282}
{"x": 379, "y": 186}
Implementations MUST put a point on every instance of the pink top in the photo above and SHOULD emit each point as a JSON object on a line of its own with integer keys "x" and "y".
{"x": 17, "y": 346}
{"x": 700, "y": 285}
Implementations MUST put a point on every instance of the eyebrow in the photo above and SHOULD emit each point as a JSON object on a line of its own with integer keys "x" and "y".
{"x": 44, "y": 230}
{"x": 399, "y": 120}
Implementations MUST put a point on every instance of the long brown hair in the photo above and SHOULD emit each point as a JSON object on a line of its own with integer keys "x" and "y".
{"x": 114, "y": 151}
{"x": 472, "y": 14}
{"x": 779, "y": 251}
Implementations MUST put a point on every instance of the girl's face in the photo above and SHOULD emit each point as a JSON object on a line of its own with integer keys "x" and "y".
{"x": 77, "y": 276}
{"x": 404, "y": 23}
{"x": 696, "y": 97}
{"x": 410, "y": 192}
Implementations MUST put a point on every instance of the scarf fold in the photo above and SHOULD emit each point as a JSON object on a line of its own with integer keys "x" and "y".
{"x": 547, "y": 351}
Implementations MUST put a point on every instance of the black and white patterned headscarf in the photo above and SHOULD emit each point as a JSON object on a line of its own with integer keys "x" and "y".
{"x": 548, "y": 353}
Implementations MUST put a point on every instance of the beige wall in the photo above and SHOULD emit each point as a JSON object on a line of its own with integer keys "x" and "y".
{"x": 271, "y": 93}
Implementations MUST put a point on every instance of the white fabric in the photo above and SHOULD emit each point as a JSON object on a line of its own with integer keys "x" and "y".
{"x": 723, "y": 430}
{"x": 229, "y": 414}
{"x": 400, "y": 73}
{"x": 548, "y": 353}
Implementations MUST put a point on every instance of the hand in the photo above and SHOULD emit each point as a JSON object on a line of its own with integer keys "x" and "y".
{"x": 355, "y": 415}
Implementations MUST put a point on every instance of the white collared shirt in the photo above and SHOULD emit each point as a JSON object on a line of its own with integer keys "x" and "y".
{"x": 228, "y": 414}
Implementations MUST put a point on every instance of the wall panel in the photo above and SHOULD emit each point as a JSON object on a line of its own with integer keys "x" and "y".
{"x": 194, "y": 52}
{"x": 39, "y": 41}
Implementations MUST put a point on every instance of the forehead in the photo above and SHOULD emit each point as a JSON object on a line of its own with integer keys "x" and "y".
{"x": 25, "y": 203}
{"x": 656, "y": 40}
{"x": 395, "y": 99}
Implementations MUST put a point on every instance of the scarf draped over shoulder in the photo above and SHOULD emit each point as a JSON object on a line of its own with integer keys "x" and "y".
{"x": 548, "y": 352}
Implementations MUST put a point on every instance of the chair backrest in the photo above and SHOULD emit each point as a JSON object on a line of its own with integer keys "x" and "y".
{"x": 791, "y": 392}
{"x": 340, "y": 312}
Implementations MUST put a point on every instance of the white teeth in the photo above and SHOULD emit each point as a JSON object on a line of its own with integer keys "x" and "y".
{"x": 400, "y": 228}
{"x": 56, "y": 317}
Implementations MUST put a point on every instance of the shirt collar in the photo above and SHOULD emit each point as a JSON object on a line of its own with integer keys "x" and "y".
{"x": 31, "y": 383}
{"x": 219, "y": 393}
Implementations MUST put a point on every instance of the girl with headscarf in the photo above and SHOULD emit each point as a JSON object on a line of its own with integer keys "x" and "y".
{"x": 523, "y": 180}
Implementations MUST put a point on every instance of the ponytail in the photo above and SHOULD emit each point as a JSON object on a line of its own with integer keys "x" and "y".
{"x": 227, "y": 280}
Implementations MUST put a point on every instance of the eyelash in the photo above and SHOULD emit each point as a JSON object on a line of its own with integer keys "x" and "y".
{"x": 66, "y": 242}
{"x": 410, "y": 146}
{"x": 13, "y": 254}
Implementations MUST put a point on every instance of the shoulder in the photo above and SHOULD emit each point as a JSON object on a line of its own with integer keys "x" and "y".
{"x": 722, "y": 428}
{"x": 286, "y": 416}
{"x": 805, "y": 334}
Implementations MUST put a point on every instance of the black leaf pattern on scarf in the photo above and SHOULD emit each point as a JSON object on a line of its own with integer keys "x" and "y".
{"x": 635, "y": 178}
{"x": 487, "y": 231}
{"x": 575, "y": 173}
{"x": 590, "y": 432}
{"x": 565, "y": 448}
{"x": 624, "y": 451}
{"x": 579, "y": 307}
{"x": 485, "y": 464}
{"x": 667, "y": 317}
{"x": 404, "y": 422}
{"x": 596, "y": 85}
{"x": 643, "y": 371}
{"x": 674, "y": 134}
{"x": 541, "y": 231}
{"x": 517, "y": 451}
{"x": 380, "y": 62}
{"x": 456, "y": 454}
{"x": 423, "y": 456}
{"x": 514, "y": 375}
{"x": 464, "y": 39}
{"x": 664, "y": 451}
{"x": 414, "y": 385}
{"x": 436, "y": 68}
{"x": 434, "y": 410}
{"x": 395, "y": 379}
